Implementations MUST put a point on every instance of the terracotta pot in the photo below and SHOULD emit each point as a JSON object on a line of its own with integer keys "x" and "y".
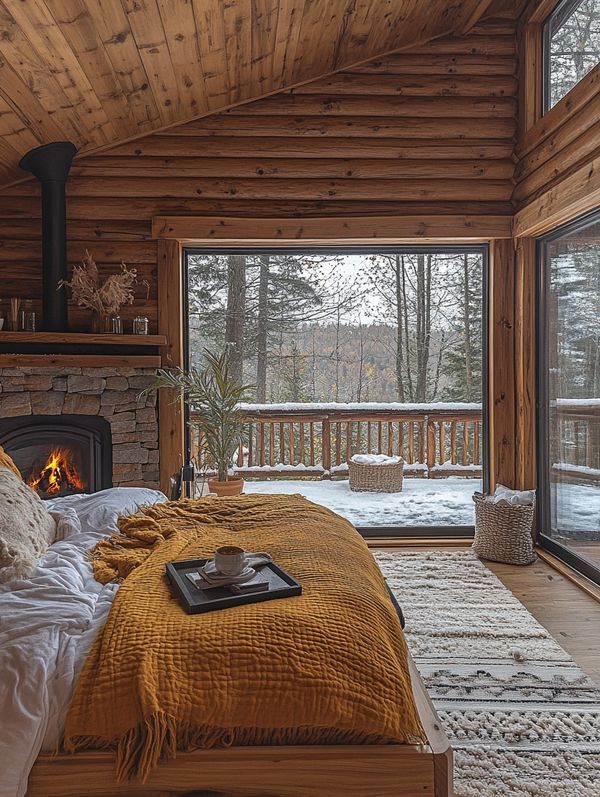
{"x": 230, "y": 487}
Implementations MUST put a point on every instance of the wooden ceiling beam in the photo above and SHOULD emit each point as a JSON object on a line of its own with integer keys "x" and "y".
{"x": 356, "y": 229}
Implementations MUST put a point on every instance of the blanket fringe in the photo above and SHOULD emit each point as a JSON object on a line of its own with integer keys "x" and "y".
{"x": 159, "y": 738}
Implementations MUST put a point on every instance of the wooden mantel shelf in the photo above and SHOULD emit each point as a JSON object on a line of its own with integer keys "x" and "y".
{"x": 83, "y": 338}
{"x": 67, "y": 349}
{"x": 79, "y": 361}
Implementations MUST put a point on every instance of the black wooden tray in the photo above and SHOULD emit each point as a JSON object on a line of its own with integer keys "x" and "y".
{"x": 194, "y": 600}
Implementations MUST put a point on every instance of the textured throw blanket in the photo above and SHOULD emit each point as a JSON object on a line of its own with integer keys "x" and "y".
{"x": 327, "y": 667}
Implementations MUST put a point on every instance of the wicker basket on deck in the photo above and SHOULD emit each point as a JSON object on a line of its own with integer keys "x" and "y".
{"x": 503, "y": 531}
{"x": 379, "y": 478}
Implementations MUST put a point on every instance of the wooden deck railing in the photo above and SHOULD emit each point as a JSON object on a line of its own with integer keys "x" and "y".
{"x": 304, "y": 440}
{"x": 576, "y": 438}
{"x": 318, "y": 440}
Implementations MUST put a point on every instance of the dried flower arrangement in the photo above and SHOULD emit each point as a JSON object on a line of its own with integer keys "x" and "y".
{"x": 103, "y": 297}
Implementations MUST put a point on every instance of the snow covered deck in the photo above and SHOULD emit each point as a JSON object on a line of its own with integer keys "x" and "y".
{"x": 429, "y": 502}
{"x": 422, "y": 502}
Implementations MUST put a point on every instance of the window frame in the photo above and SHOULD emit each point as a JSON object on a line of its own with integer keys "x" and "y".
{"x": 544, "y": 520}
{"x": 551, "y": 23}
{"x": 372, "y": 532}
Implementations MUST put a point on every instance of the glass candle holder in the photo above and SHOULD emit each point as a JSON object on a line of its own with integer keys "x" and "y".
{"x": 114, "y": 324}
{"x": 27, "y": 317}
{"x": 140, "y": 325}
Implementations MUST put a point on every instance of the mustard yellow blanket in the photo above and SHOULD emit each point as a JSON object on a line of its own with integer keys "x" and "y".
{"x": 328, "y": 667}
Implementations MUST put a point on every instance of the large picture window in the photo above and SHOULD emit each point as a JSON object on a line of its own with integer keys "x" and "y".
{"x": 569, "y": 388}
{"x": 369, "y": 352}
{"x": 571, "y": 47}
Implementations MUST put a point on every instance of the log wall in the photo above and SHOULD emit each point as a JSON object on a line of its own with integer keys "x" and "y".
{"x": 426, "y": 132}
{"x": 557, "y": 178}
{"x": 552, "y": 147}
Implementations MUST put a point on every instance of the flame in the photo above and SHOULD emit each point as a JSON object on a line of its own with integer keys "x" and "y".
{"x": 57, "y": 474}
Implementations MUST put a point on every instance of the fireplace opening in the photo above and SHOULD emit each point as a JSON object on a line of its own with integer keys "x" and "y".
{"x": 59, "y": 474}
{"x": 60, "y": 455}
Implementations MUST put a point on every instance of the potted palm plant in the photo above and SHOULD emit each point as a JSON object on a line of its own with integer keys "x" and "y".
{"x": 214, "y": 398}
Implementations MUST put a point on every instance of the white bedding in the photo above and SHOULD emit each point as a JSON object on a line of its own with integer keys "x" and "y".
{"x": 47, "y": 626}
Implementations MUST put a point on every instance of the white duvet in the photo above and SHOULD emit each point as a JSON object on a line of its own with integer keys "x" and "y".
{"x": 47, "y": 626}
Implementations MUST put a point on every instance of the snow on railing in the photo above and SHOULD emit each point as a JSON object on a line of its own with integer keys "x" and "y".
{"x": 577, "y": 404}
{"x": 360, "y": 406}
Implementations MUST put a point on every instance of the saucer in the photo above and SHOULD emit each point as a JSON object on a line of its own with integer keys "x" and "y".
{"x": 211, "y": 570}
{"x": 212, "y": 574}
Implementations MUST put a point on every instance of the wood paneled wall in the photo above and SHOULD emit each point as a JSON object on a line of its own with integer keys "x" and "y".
{"x": 430, "y": 132}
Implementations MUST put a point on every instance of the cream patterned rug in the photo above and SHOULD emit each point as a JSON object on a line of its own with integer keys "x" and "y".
{"x": 522, "y": 717}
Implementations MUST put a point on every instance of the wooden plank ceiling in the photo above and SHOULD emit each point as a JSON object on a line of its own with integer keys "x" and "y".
{"x": 102, "y": 72}
{"x": 433, "y": 166}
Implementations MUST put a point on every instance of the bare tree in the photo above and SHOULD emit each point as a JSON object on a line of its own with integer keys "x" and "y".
{"x": 423, "y": 323}
{"x": 398, "y": 268}
{"x": 406, "y": 333}
{"x": 262, "y": 333}
{"x": 467, "y": 330}
{"x": 361, "y": 361}
{"x": 336, "y": 352}
{"x": 235, "y": 314}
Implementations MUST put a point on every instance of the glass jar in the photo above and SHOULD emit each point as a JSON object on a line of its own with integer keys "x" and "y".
{"x": 140, "y": 325}
{"x": 114, "y": 324}
{"x": 27, "y": 317}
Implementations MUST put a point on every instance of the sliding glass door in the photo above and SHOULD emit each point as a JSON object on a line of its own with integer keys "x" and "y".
{"x": 569, "y": 394}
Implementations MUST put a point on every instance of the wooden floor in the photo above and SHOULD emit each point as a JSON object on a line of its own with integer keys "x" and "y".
{"x": 571, "y": 616}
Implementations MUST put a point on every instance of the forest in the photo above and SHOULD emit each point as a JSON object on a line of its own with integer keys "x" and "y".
{"x": 574, "y": 315}
{"x": 324, "y": 326}
{"x": 574, "y": 46}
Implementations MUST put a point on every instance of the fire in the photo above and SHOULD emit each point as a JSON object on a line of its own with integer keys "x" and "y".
{"x": 58, "y": 474}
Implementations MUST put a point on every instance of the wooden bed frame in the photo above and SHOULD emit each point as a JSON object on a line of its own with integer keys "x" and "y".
{"x": 311, "y": 771}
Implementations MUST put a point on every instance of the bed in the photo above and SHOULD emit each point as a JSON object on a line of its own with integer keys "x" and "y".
{"x": 63, "y": 646}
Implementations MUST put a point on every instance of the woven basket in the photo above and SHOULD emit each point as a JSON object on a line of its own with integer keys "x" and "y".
{"x": 376, "y": 478}
{"x": 503, "y": 531}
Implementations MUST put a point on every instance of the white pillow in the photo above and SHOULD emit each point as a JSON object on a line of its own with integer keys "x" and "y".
{"x": 99, "y": 512}
{"x": 26, "y": 527}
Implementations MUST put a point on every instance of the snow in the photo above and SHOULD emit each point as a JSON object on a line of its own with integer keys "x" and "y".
{"x": 375, "y": 459}
{"x": 588, "y": 402}
{"x": 576, "y": 507}
{"x": 333, "y": 406}
{"x": 422, "y": 502}
{"x": 428, "y": 502}
{"x": 577, "y": 469}
{"x": 281, "y": 467}
{"x": 449, "y": 465}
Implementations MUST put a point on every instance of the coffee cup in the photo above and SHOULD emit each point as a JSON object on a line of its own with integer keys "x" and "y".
{"x": 230, "y": 560}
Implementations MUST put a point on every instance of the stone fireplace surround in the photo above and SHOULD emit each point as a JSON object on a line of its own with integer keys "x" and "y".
{"x": 110, "y": 393}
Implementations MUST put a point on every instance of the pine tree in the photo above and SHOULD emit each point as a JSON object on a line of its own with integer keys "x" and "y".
{"x": 464, "y": 356}
{"x": 235, "y": 315}
{"x": 296, "y": 379}
{"x": 254, "y": 302}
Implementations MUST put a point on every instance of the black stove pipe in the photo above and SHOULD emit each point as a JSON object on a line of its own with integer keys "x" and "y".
{"x": 50, "y": 163}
